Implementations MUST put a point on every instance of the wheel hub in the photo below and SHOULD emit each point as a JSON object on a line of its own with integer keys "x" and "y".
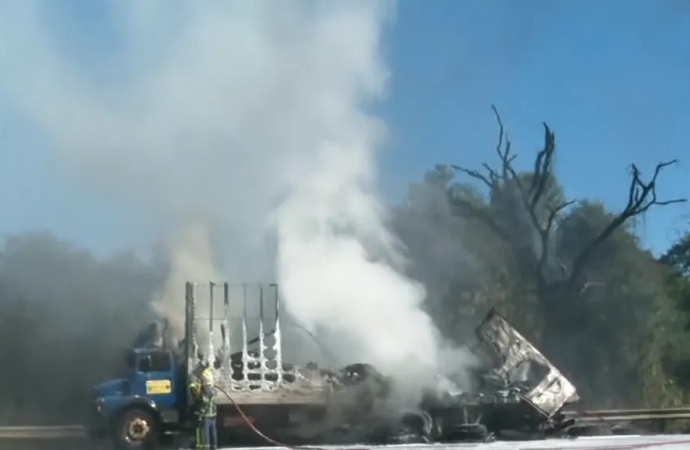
{"x": 137, "y": 429}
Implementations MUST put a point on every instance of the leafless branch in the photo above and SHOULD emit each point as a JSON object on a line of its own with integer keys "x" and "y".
{"x": 530, "y": 196}
{"x": 542, "y": 167}
{"x": 553, "y": 213}
{"x": 545, "y": 238}
{"x": 502, "y": 150}
{"x": 487, "y": 180}
{"x": 641, "y": 197}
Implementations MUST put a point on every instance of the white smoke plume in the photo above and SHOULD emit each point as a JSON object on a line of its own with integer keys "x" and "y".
{"x": 328, "y": 274}
{"x": 191, "y": 259}
{"x": 204, "y": 117}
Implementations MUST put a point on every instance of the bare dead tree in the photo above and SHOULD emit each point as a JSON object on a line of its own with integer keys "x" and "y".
{"x": 641, "y": 197}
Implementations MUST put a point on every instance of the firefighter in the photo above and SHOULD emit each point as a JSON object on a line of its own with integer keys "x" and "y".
{"x": 204, "y": 406}
{"x": 209, "y": 433}
{"x": 195, "y": 392}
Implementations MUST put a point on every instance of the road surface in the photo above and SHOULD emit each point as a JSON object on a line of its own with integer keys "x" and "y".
{"x": 71, "y": 438}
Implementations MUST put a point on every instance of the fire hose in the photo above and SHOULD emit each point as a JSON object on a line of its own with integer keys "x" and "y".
{"x": 253, "y": 427}
{"x": 260, "y": 433}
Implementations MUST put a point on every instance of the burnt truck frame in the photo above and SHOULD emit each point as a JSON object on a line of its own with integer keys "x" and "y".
{"x": 519, "y": 391}
{"x": 512, "y": 350}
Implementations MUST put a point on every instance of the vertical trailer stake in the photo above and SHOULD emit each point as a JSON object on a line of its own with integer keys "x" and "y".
{"x": 245, "y": 349}
{"x": 211, "y": 357}
{"x": 195, "y": 344}
{"x": 262, "y": 344}
{"x": 278, "y": 341}
{"x": 227, "y": 369}
{"x": 189, "y": 348}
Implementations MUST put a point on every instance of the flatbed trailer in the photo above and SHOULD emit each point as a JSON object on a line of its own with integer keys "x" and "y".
{"x": 253, "y": 372}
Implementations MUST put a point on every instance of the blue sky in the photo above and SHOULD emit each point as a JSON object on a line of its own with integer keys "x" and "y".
{"x": 612, "y": 79}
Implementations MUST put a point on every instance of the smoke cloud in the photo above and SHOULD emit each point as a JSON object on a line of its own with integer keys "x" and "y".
{"x": 191, "y": 258}
{"x": 331, "y": 277}
{"x": 65, "y": 319}
{"x": 226, "y": 124}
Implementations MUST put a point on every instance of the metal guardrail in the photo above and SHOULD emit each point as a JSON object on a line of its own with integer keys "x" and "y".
{"x": 633, "y": 418}
{"x": 620, "y": 415}
{"x": 44, "y": 432}
{"x": 612, "y": 412}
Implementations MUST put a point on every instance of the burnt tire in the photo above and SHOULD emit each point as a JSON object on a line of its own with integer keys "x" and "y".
{"x": 468, "y": 432}
{"x": 413, "y": 428}
{"x": 136, "y": 429}
{"x": 589, "y": 430}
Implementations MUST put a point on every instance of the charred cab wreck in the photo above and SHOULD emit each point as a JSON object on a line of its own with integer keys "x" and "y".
{"x": 519, "y": 394}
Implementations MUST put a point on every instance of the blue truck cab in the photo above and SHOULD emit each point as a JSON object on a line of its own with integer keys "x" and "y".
{"x": 149, "y": 401}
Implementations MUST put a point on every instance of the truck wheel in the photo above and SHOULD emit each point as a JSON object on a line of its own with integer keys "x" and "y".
{"x": 136, "y": 429}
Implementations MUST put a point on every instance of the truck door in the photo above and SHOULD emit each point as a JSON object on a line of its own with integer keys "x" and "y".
{"x": 159, "y": 377}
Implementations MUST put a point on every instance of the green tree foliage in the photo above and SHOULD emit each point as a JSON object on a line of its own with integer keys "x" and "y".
{"x": 570, "y": 274}
{"x": 676, "y": 318}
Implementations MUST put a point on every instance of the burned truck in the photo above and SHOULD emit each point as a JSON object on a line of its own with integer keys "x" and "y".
{"x": 150, "y": 404}
{"x": 262, "y": 397}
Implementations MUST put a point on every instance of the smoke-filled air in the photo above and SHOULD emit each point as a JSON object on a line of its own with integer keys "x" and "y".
{"x": 241, "y": 131}
{"x": 347, "y": 151}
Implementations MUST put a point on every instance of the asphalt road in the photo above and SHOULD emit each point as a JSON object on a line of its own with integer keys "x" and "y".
{"x": 666, "y": 442}
{"x": 66, "y": 438}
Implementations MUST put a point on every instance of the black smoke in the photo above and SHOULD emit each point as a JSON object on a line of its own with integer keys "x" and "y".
{"x": 65, "y": 318}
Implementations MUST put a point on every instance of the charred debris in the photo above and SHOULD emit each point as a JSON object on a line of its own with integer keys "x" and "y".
{"x": 517, "y": 392}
